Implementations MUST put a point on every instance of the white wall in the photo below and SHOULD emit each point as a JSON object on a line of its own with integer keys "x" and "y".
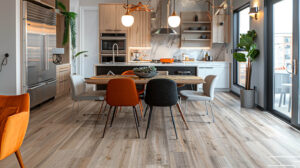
{"x": 10, "y": 77}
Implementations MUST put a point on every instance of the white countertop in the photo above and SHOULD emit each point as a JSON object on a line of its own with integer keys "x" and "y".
{"x": 190, "y": 64}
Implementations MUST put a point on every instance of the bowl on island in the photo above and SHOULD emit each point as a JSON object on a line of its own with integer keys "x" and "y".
{"x": 145, "y": 72}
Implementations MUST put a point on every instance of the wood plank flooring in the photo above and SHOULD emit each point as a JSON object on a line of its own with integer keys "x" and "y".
{"x": 239, "y": 138}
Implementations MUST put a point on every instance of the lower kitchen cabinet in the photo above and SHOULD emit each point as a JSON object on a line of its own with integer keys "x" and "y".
{"x": 63, "y": 84}
{"x": 220, "y": 69}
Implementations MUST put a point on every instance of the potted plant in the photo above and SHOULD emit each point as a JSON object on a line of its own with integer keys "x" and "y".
{"x": 249, "y": 53}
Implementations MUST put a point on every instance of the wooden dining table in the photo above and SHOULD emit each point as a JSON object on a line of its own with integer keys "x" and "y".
{"x": 179, "y": 79}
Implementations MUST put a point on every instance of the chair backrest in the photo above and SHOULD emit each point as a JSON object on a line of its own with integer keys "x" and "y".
{"x": 21, "y": 102}
{"x": 13, "y": 123}
{"x": 121, "y": 92}
{"x": 129, "y": 72}
{"x": 209, "y": 85}
{"x": 161, "y": 92}
{"x": 78, "y": 85}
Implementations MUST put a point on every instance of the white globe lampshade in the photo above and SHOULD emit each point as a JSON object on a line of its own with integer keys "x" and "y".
{"x": 127, "y": 20}
{"x": 174, "y": 20}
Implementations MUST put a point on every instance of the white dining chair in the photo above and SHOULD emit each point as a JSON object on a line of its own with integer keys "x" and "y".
{"x": 207, "y": 95}
{"x": 79, "y": 92}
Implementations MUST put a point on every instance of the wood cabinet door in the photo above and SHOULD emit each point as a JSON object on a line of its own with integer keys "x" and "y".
{"x": 139, "y": 35}
{"x": 221, "y": 29}
{"x": 107, "y": 18}
{"x": 119, "y": 12}
{"x": 50, "y": 3}
{"x": 218, "y": 29}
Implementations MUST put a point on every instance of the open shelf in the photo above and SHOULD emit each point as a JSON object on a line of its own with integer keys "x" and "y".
{"x": 196, "y": 39}
{"x": 192, "y": 38}
{"x": 196, "y": 31}
{"x": 198, "y": 22}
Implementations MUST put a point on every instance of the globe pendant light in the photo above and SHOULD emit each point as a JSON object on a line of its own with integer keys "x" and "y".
{"x": 174, "y": 20}
{"x": 127, "y": 19}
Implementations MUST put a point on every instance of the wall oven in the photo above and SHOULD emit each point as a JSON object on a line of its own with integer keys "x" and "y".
{"x": 113, "y": 43}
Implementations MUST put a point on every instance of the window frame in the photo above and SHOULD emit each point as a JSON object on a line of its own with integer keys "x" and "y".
{"x": 236, "y": 36}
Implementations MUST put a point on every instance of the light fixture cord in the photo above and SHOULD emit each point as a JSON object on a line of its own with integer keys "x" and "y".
{"x": 174, "y": 6}
{"x": 127, "y": 7}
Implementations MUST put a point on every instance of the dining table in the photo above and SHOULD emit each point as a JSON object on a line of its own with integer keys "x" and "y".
{"x": 179, "y": 79}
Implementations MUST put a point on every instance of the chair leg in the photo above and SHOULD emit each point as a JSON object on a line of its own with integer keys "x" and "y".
{"x": 290, "y": 102}
{"x": 206, "y": 108}
{"x": 105, "y": 106}
{"x": 141, "y": 108}
{"x": 137, "y": 117}
{"x": 185, "y": 106}
{"x": 78, "y": 108}
{"x": 19, "y": 157}
{"x": 113, "y": 117}
{"x": 146, "y": 111}
{"x": 182, "y": 116}
{"x": 106, "y": 121}
{"x": 136, "y": 121}
{"x": 100, "y": 111}
{"x": 149, "y": 119}
{"x": 280, "y": 99}
{"x": 212, "y": 112}
{"x": 173, "y": 122}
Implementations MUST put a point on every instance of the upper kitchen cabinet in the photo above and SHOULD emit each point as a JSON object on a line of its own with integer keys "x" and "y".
{"x": 139, "y": 34}
{"x": 47, "y": 3}
{"x": 119, "y": 12}
{"x": 221, "y": 28}
{"x": 110, "y": 18}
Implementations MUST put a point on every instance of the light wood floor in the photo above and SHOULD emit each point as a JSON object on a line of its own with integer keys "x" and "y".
{"x": 239, "y": 138}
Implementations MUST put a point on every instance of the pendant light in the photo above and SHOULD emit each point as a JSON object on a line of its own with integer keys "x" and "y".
{"x": 127, "y": 19}
{"x": 174, "y": 20}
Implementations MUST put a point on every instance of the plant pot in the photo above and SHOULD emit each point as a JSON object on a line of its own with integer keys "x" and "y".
{"x": 247, "y": 98}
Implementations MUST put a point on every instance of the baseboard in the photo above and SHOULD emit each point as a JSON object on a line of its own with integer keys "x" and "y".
{"x": 260, "y": 108}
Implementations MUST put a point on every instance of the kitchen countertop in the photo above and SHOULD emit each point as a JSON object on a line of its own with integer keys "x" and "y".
{"x": 190, "y": 64}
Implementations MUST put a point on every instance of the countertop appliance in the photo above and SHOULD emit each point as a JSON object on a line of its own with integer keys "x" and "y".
{"x": 107, "y": 43}
{"x": 39, "y": 42}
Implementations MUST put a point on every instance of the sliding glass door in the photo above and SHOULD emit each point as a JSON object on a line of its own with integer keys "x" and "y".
{"x": 283, "y": 46}
{"x": 282, "y": 56}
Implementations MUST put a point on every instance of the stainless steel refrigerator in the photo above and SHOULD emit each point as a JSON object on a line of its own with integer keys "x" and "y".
{"x": 39, "y": 42}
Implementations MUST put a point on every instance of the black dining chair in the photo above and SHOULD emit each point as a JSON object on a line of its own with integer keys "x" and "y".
{"x": 162, "y": 93}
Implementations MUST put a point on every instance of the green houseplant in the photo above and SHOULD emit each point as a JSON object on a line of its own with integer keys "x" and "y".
{"x": 70, "y": 18}
{"x": 69, "y": 24}
{"x": 250, "y": 53}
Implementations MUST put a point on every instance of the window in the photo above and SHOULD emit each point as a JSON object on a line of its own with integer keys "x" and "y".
{"x": 241, "y": 26}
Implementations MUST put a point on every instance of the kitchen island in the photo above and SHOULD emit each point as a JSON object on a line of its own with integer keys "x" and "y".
{"x": 197, "y": 68}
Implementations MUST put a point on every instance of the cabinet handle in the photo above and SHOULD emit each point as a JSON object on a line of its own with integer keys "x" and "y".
{"x": 108, "y": 30}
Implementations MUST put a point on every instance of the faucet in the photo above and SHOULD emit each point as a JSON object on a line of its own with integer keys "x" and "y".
{"x": 113, "y": 48}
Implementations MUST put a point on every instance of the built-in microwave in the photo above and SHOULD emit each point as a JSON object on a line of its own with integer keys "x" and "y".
{"x": 113, "y": 41}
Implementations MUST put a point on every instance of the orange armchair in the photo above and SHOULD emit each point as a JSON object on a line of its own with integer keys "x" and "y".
{"x": 14, "y": 118}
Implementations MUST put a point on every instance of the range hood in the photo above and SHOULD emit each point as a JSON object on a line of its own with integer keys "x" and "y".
{"x": 165, "y": 31}
{"x": 163, "y": 13}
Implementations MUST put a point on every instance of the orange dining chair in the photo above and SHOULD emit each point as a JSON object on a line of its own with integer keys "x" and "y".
{"x": 122, "y": 92}
{"x": 14, "y": 118}
{"x": 140, "y": 91}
